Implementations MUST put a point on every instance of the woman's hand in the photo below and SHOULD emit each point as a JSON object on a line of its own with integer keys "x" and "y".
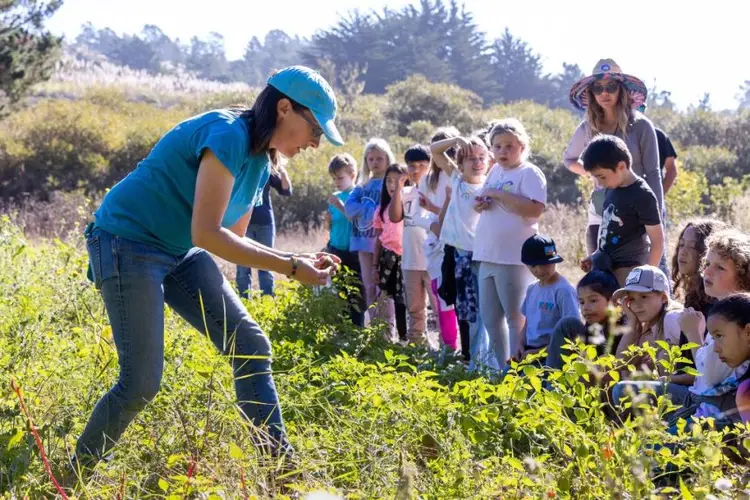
{"x": 308, "y": 274}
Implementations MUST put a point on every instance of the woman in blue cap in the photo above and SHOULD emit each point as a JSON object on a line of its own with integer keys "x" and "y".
{"x": 152, "y": 237}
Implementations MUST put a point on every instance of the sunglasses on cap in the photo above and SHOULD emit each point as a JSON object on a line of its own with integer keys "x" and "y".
{"x": 610, "y": 88}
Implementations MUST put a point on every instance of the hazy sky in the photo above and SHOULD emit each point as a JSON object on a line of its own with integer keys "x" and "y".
{"x": 687, "y": 50}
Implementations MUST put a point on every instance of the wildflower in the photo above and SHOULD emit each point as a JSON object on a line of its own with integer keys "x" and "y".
{"x": 551, "y": 494}
{"x": 723, "y": 484}
{"x": 608, "y": 452}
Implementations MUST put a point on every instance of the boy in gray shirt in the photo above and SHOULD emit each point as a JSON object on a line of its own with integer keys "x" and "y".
{"x": 548, "y": 300}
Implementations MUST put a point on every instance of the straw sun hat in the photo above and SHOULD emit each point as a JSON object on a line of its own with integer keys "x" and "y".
{"x": 607, "y": 68}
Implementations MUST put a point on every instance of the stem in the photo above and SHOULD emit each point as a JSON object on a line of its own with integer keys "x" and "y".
{"x": 17, "y": 389}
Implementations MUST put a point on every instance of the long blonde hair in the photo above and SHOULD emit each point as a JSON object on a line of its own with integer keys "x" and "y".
{"x": 623, "y": 112}
{"x": 381, "y": 145}
{"x": 433, "y": 176}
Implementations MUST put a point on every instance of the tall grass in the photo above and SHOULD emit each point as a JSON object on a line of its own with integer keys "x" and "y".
{"x": 368, "y": 419}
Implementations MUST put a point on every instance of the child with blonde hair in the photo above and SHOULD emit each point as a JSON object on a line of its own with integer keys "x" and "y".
{"x": 510, "y": 205}
{"x": 457, "y": 228}
{"x": 360, "y": 209}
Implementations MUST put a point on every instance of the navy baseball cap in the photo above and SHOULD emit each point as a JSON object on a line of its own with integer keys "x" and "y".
{"x": 539, "y": 250}
{"x": 307, "y": 87}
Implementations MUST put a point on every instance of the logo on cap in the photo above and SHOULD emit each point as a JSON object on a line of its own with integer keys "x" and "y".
{"x": 605, "y": 67}
{"x": 634, "y": 277}
{"x": 550, "y": 251}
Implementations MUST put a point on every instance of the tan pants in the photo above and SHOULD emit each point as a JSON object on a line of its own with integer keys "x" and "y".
{"x": 418, "y": 289}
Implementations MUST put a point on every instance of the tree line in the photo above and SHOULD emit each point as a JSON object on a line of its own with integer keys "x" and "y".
{"x": 436, "y": 38}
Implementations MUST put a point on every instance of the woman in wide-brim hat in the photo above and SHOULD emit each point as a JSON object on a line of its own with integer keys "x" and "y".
{"x": 610, "y": 99}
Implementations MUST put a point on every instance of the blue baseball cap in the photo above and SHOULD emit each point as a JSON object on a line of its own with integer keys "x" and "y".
{"x": 307, "y": 87}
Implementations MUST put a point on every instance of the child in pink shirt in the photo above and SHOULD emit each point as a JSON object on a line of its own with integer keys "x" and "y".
{"x": 389, "y": 249}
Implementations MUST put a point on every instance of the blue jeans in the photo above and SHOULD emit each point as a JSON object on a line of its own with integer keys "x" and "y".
{"x": 265, "y": 235}
{"x": 136, "y": 280}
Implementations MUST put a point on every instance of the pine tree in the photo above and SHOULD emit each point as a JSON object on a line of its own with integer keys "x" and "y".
{"x": 27, "y": 52}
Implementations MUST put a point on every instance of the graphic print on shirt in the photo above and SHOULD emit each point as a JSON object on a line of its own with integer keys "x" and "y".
{"x": 362, "y": 225}
{"x": 408, "y": 215}
{"x": 609, "y": 216}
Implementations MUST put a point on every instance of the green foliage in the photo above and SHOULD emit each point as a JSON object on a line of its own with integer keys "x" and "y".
{"x": 27, "y": 51}
{"x": 713, "y": 162}
{"x": 686, "y": 198}
{"x": 440, "y": 104}
{"x": 368, "y": 419}
{"x": 64, "y": 145}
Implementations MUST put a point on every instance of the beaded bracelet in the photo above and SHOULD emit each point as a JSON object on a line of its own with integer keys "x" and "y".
{"x": 294, "y": 266}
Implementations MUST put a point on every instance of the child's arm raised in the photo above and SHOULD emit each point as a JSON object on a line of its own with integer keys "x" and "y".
{"x": 656, "y": 235}
{"x": 439, "y": 156}
{"x": 437, "y": 227}
{"x": 396, "y": 208}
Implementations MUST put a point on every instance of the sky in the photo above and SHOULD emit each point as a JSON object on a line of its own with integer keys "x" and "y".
{"x": 688, "y": 50}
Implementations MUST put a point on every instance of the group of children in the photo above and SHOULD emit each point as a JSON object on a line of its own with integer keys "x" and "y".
{"x": 457, "y": 224}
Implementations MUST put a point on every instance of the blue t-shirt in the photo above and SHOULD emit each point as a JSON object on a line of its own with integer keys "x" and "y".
{"x": 154, "y": 203}
{"x": 544, "y": 306}
{"x": 360, "y": 207}
{"x": 341, "y": 227}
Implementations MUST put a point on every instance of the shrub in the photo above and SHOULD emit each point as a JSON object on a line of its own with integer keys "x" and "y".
{"x": 688, "y": 195}
{"x": 368, "y": 419}
{"x": 440, "y": 104}
{"x": 64, "y": 145}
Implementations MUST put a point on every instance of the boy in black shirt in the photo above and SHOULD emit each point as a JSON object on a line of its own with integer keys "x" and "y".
{"x": 631, "y": 232}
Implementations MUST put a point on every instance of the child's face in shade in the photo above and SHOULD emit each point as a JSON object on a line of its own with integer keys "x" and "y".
{"x": 731, "y": 341}
{"x": 594, "y": 306}
{"x": 646, "y": 305}
{"x": 687, "y": 252}
{"x": 544, "y": 272}
{"x": 611, "y": 179}
{"x": 377, "y": 162}
{"x": 342, "y": 179}
{"x": 719, "y": 275}
{"x": 417, "y": 169}
{"x": 391, "y": 183}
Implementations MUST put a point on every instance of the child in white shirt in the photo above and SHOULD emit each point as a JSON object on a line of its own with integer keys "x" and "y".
{"x": 458, "y": 221}
{"x": 511, "y": 204}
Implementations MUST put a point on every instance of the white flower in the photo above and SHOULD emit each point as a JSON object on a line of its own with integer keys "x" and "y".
{"x": 723, "y": 484}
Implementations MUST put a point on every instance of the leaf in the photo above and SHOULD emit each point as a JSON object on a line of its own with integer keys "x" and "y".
{"x": 614, "y": 375}
{"x": 377, "y": 400}
{"x": 17, "y": 437}
{"x": 174, "y": 458}
{"x": 535, "y": 383}
{"x": 235, "y": 452}
{"x": 686, "y": 495}
{"x": 163, "y": 485}
{"x": 515, "y": 463}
